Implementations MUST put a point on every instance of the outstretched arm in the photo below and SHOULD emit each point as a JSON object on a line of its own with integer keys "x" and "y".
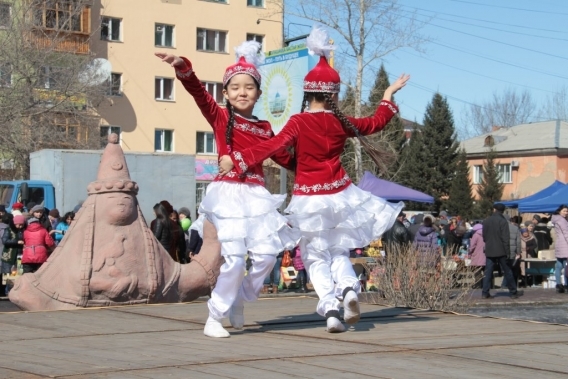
{"x": 184, "y": 72}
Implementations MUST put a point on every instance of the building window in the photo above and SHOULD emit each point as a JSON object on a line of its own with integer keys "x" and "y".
{"x": 206, "y": 143}
{"x": 255, "y": 3}
{"x": 51, "y": 77}
{"x": 59, "y": 14}
{"x": 164, "y": 35}
{"x": 5, "y": 15}
{"x": 200, "y": 191}
{"x": 255, "y": 37}
{"x": 163, "y": 140}
{"x": 5, "y": 74}
{"x": 164, "y": 89}
{"x": 110, "y": 29}
{"x": 215, "y": 90}
{"x": 211, "y": 40}
{"x": 477, "y": 174}
{"x": 107, "y": 131}
{"x": 114, "y": 85}
{"x": 505, "y": 174}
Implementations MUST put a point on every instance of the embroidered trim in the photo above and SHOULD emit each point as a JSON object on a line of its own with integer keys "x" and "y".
{"x": 390, "y": 106}
{"x": 323, "y": 187}
{"x": 318, "y": 111}
{"x": 248, "y": 175}
{"x": 253, "y": 129}
{"x": 238, "y": 69}
{"x": 239, "y": 157}
{"x": 255, "y": 119}
{"x": 184, "y": 75}
{"x": 331, "y": 87}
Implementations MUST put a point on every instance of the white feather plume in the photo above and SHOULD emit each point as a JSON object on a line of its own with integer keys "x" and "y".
{"x": 318, "y": 42}
{"x": 251, "y": 51}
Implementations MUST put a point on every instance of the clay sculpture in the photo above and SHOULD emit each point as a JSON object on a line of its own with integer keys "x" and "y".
{"x": 110, "y": 257}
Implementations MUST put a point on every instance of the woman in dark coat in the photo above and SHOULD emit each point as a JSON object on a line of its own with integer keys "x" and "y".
{"x": 161, "y": 227}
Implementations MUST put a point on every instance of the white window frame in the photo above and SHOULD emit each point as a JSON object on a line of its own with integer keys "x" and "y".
{"x": 204, "y": 40}
{"x": 477, "y": 174}
{"x": 111, "y": 82}
{"x": 161, "y": 96}
{"x": 108, "y": 21}
{"x": 256, "y": 37}
{"x": 49, "y": 73}
{"x": 163, "y": 32}
{"x": 200, "y": 191}
{"x": 162, "y": 139}
{"x": 9, "y": 19}
{"x": 204, "y": 136}
{"x": 215, "y": 89}
{"x": 110, "y": 129}
{"x": 261, "y": 2}
{"x": 5, "y": 75}
{"x": 505, "y": 173}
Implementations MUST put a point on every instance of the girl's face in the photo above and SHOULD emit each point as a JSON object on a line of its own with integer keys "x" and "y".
{"x": 181, "y": 216}
{"x": 530, "y": 228}
{"x": 242, "y": 93}
{"x": 69, "y": 220}
{"x": 564, "y": 212}
{"x": 526, "y": 234}
{"x": 38, "y": 214}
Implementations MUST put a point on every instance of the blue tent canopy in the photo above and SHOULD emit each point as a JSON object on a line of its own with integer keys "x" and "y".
{"x": 551, "y": 189}
{"x": 546, "y": 204}
{"x": 391, "y": 191}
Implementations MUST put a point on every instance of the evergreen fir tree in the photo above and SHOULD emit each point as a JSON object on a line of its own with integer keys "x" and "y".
{"x": 430, "y": 166}
{"x": 415, "y": 168}
{"x": 490, "y": 190}
{"x": 460, "y": 201}
{"x": 393, "y": 133}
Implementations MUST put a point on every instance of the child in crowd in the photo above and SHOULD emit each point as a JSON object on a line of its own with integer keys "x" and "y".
{"x": 244, "y": 213}
{"x": 332, "y": 214}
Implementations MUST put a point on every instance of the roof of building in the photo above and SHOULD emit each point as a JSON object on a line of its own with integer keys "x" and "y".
{"x": 525, "y": 137}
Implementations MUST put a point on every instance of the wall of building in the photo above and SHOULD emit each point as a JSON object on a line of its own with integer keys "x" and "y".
{"x": 136, "y": 111}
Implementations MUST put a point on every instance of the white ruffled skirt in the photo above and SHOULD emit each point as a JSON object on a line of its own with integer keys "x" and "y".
{"x": 248, "y": 213}
{"x": 348, "y": 219}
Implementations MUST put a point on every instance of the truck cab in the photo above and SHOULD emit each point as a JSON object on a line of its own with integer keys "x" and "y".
{"x": 40, "y": 192}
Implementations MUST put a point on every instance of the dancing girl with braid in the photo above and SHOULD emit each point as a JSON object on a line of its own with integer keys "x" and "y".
{"x": 332, "y": 214}
{"x": 244, "y": 213}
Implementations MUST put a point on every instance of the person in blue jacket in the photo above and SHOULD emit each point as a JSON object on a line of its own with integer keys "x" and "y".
{"x": 62, "y": 227}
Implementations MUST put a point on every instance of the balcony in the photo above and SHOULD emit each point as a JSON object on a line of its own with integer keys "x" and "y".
{"x": 63, "y": 42}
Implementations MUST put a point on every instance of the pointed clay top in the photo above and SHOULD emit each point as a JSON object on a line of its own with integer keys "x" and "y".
{"x": 113, "y": 175}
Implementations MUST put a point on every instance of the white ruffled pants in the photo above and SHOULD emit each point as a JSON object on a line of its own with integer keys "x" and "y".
{"x": 248, "y": 222}
{"x": 331, "y": 225}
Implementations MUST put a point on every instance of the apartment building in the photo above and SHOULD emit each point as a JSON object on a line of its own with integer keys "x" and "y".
{"x": 150, "y": 110}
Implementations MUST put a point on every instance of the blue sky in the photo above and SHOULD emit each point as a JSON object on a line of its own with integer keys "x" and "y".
{"x": 471, "y": 55}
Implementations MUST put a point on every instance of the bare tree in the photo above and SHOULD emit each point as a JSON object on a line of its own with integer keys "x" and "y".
{"x": 507, "y": 109}
{"x": 556, "y": 106}
{"x": 371, "y": 29}
{"x": 49, "y": 82}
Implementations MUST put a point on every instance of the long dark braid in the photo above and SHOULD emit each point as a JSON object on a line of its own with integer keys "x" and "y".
{"x": 305, "y": 101}
{"x": 383, "y": 155}
{"x": 230, "y": 124}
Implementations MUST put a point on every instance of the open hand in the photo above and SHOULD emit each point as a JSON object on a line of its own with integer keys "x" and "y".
{"x": 399, "y": 83}
{"x": 173, "y": 60}
{"x": 225, "y": 165}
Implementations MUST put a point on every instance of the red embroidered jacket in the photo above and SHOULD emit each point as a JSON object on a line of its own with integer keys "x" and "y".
{"x": 318, "y": 139}
{"x": 246, "y": 132}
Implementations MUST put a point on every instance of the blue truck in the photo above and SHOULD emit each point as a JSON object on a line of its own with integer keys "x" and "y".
{"x": 40, "y": 192}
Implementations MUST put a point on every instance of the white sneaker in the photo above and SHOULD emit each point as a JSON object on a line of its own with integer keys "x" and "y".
{"x": 334, "y": 325}
{"x": 214, "y": 328}
{"x": 236, "y": 316}
{"x": 352, "y": 313}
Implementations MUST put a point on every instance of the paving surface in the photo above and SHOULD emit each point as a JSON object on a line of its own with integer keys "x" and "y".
{"x": 283, "y": 338}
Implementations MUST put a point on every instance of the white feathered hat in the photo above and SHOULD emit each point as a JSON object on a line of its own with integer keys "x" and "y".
{"x": 249, "y": 56}
{"x": 321, "y": 78}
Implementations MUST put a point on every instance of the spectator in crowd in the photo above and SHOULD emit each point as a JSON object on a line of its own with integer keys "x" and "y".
{"x": 17, "y": 209}
{"x": 302, "y": 275}
{"x": 161, "y": 228}
{"x": 174, "y": 230}
{"x": 195, "y": 240}
{"x": 178, "y": 238}
{"x": 454, "y": 233}
{"x": 184, "y": 214}
{"x": 3, "y": 212}
{"x": 37, "y": 245}
{"x": 497, "y": 249}
{"x": 38, "y": 212}
{"x": 514, "y": 258}
{"x": 529, "y": 249}
{"x": 7, "y": 259}
{"x": 59, "y": 232}
{"x": 53, "y": 217}
{"x": 416, "y": 224}
{"x": 272, "y": 281}
{"x": 13, "y": 242}
{"x": 477, "y": 254}
{"x": 396, "y": 238}
{"x": 426, "y": 244}
{"x": 561, "y": 246}
{"x": 542, "y": 233}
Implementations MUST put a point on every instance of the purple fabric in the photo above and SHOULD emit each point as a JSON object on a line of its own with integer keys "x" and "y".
{"x": 477, "y": 248}
{"x": 426, "y": 240}
{"x": 391, "y": 191}
{"x": 297, "y": 260}
{"x": 561, "y": 243}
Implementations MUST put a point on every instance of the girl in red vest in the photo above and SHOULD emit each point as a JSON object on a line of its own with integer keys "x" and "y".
{"x": 244, "y": 213}
{"x": 37, "y": 246}
{"x": 332, "y": 214}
